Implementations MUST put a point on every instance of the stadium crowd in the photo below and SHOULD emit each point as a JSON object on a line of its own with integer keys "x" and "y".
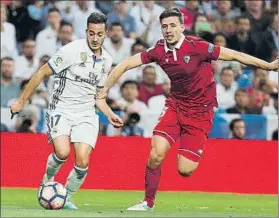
{"x": 32, "y": 31}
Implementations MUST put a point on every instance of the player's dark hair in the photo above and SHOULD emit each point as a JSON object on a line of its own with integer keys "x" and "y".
{"x": 242, "y": 17}
{"x": 115, "y": 24}
{"x": 64, "y": 23}
{"x": 53, "y": 10}
{"x": 6, "y": 59}
{"x": 128, "y": 82}
{"x": 97, "y": 18}
{"x": 172, "y": 12}
{"x": 234, "y": 121}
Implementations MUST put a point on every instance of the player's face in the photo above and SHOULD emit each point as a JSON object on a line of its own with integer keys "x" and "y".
{"x": 172, "y": 29}
{"x": 239, "y": 130}
{"x": 96, "y": 34}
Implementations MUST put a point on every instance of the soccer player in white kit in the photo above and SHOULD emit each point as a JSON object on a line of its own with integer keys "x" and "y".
{"x": 79, "y": 68}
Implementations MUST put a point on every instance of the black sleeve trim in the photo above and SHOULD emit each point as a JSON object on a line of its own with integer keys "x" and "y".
{"x": 53, "y": 71}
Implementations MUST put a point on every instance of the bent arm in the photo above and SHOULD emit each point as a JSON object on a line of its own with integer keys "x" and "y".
{"x": 232, "y": 55}
{"x": 121, "y": 68}
{"x": 43, "y": 73}
{"x": 103, "y": 107}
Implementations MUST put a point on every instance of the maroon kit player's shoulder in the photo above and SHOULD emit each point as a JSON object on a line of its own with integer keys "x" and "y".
{"x": 160, "y": 42}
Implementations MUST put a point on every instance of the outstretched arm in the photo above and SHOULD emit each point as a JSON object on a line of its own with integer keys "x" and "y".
{"x": 36, "y": 79}
{"x": 227, "y": 54}
{"x": 118, "y": 71}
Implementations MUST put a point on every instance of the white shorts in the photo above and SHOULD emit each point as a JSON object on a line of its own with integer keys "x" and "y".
{"x": 80, "y": 127}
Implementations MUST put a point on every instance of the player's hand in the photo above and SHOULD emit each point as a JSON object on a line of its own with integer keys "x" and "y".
{"x": 274, "y": 65}
{"x": 103, "y": 93}
{"x": 16, "y": 108}
{"x": 115, "y": 120}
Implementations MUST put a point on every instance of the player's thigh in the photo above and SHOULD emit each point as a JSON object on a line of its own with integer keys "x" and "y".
{"x": 194, "y": 135}
{"x": 59, "y": 128}
{"x": 82, "y": 154}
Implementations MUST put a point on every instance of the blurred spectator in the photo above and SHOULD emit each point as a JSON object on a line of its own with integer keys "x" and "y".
{"x": 257, "y": 94}
{"x": 28, "y": 119}
{"x": 238, "y": 129}
{"x": 8, "y": 36}
{"x": 275, "y": 135}
{"x": 190, "y": 11}
{"x": 270, "y": 40}
{"x": 118, "y": 46}
{"x": 104, "y": 6}
{"x": 202, "y": 24}
{"x": 224, "y": 17}
{"x": 157, "y": 103}
{"x": 259, "y": 22}
{"x": 129, "y": 102}
{"x": 65, "y": 35}
{"x": 242, "y": 40}
{"x": 131, "y": 126}
{"x": 241, "y": 103}
{"x": 9, "y": 87}
{"x": 27, "y": 64}
{"x": 226, "y": 89}
{"x": 121, "y": 15}
{"x": 46, "y": 39}
{"x": 148, "y": 87}
{"x": 273, "y": 108}
{"x": 221, "y": 40}
{"x": 77, "y": 15}
{"x": 147, "y": 21}
{"x": 4, "y": 128}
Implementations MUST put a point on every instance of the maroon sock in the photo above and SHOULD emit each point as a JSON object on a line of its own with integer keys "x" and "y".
{"x": 152, "y": 180}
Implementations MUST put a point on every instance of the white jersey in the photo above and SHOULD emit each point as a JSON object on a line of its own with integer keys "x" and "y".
{"x": 77, "y": 75}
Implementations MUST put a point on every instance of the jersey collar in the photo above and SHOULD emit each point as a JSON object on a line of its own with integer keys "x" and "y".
{"x": 177, "y": 46}
{"x": 91, "y": 53}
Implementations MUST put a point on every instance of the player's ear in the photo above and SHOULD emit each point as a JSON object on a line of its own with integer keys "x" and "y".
{"x": 86, "y": 31}
{"x": 182, "y": 27}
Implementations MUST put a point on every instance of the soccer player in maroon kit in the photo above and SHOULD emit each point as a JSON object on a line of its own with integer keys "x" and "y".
{"x": 188, "y": 112}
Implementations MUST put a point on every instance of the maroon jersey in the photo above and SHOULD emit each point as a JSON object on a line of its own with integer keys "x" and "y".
{"x": 189, "y": 69}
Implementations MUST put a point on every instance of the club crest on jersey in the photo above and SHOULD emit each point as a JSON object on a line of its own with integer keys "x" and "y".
{"x": 83, "y": 56}
{"x": 210, "y": 48}
{"x": 186, "y": 59}
{"x": 58, "y": 61}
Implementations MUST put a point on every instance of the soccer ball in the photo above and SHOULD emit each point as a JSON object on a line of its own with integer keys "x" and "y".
{"x": 52, "y": 196}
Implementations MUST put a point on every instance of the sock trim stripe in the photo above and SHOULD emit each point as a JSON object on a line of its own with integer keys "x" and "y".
{"x": 55, "y": 158}
{"x": 80, "y": 169}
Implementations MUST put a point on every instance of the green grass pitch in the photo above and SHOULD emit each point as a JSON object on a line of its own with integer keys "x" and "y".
{"x": 23, "y": 202}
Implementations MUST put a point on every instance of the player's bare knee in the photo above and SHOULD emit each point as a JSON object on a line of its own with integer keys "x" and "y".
{"x": 157, "y": 157}
{"x": 62, "y": 154}
{"x": 83, "y": 163}
{"x": 185, "y": 173}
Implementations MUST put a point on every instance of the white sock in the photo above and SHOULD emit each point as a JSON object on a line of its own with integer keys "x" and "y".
{"x": 53, "y": 165}
{"x": 75, "y": 180}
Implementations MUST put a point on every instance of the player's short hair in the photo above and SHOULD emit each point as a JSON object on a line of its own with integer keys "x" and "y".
{"x": 6, "y": 59}
{"x": 242, "y": 17}
{"x": 116, "y": 24}
{"x": 64, "y": 23}
{"x": 97, "y": 18}
{"x": 234, "y": 121}
{"x": 172, "y": 12}
{"x": 128, "y": 82}
{"x": 53, "y": 10}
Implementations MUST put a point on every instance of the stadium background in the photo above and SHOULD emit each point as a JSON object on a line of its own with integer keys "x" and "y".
{"x": 28, "y": 40}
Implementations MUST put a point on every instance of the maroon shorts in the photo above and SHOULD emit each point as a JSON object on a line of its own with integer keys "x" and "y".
{"x": 191, "y": 129}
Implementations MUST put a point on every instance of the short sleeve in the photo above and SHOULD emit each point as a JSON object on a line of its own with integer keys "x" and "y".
{"x": 208, "y": 50}
{"x": 62, "y": 59}
{"x": 149, "y": 56}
